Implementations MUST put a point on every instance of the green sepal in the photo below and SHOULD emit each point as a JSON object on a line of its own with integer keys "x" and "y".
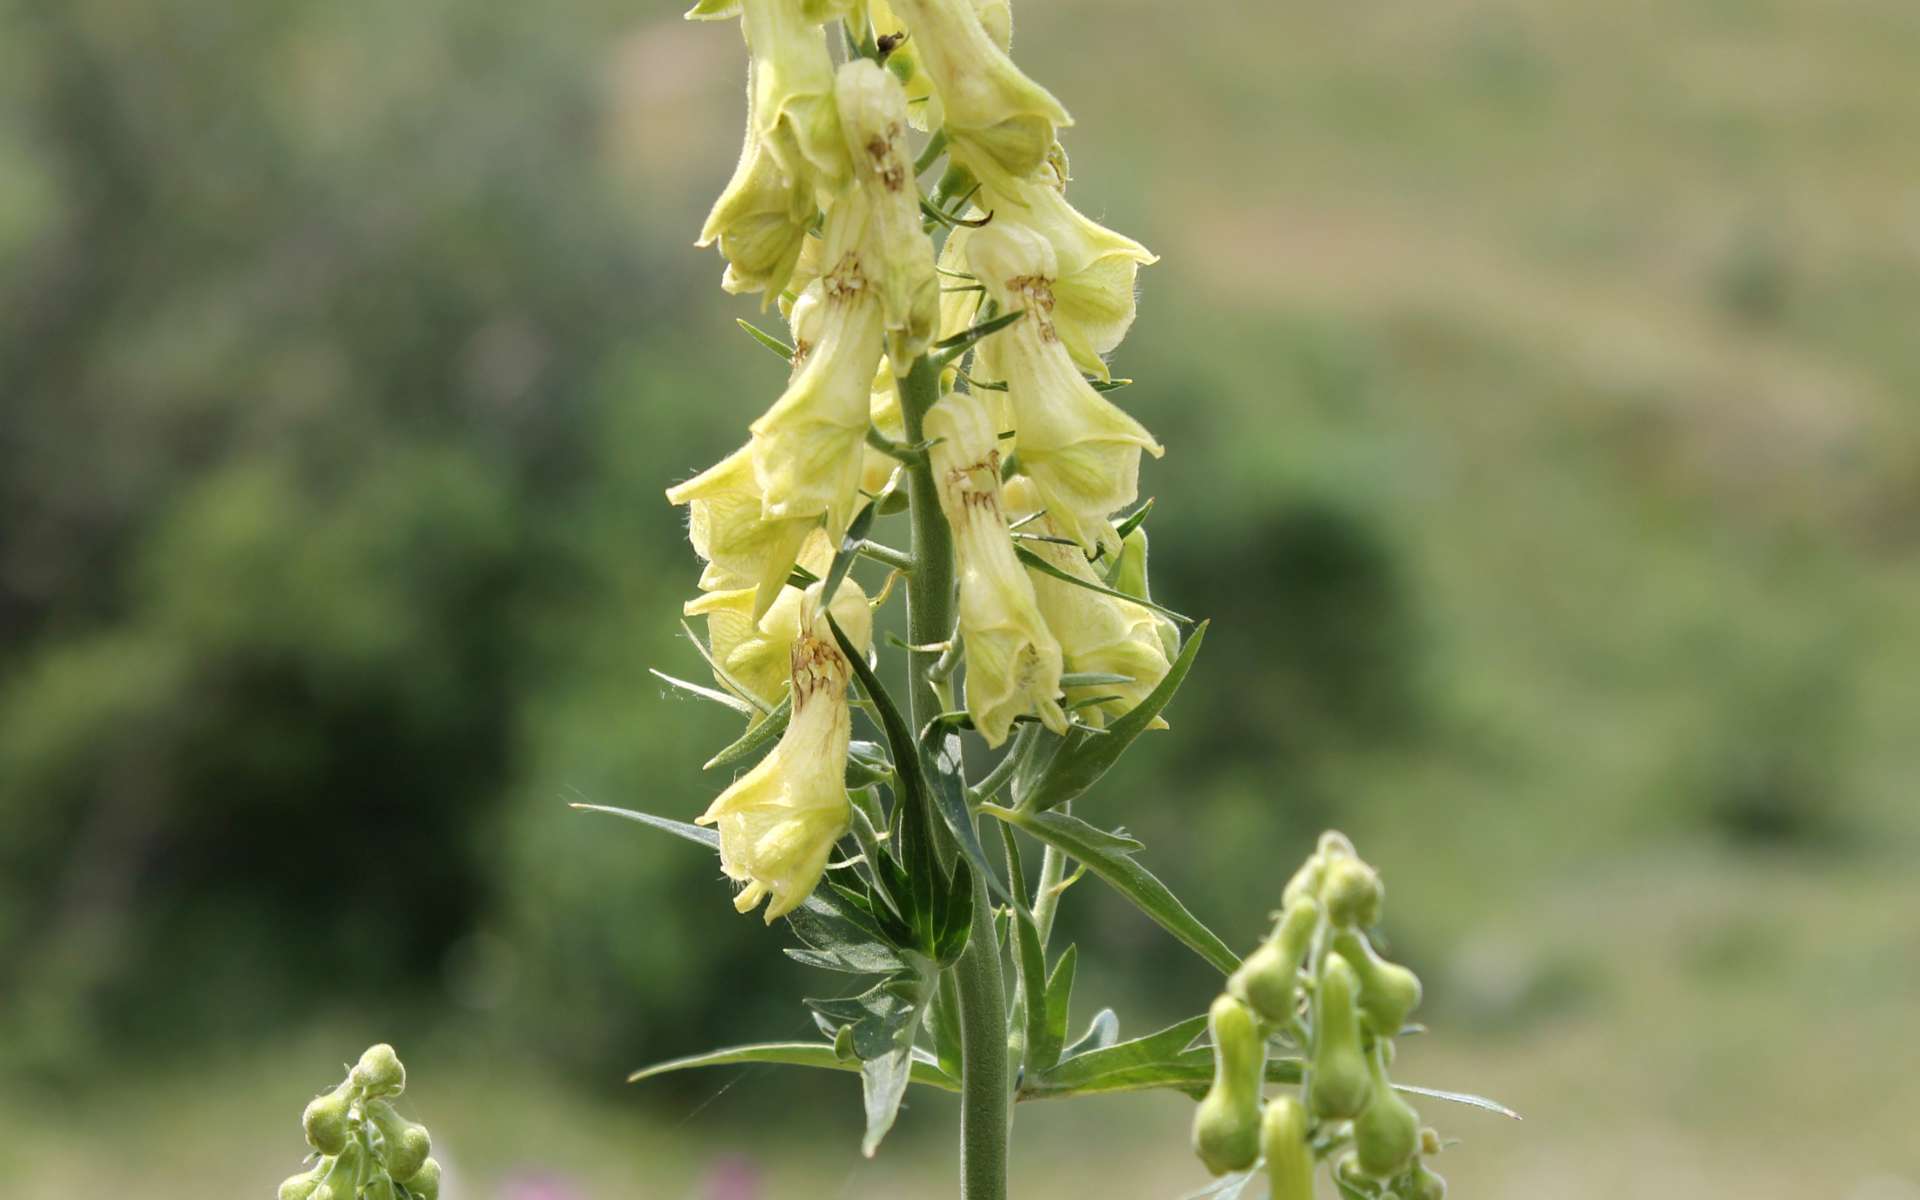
{"x": 1110, "y": 856}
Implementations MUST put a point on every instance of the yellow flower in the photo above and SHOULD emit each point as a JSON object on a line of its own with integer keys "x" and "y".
{"x": 899, "y": 255}
{"x": 778, "y": 823}
{"x": 1000, "y": 124}
{"x": 807, "y": 448}
{"x": 792, "y": 94}
{"x": 724, "y": 522}
{"x": 1013, "y": 659}
{"x": 756, "y": 653}
{"x": 760, "y": 220}
{"x": 1098, "y": 633}
{"x": 1082, "y": 452}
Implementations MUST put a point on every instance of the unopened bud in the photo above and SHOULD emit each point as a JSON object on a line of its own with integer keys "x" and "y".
{"x": 1388, "y": 991}
{"x": 424, "y": 1184}
{"x": 301, "y": 1186}
{"x": 1340, "y": 1085}
{"x": 1428, "y": 1185}
{"x": 341, "y": 1179}
{"x": 407, "y": 1142}
{"x": 1387, "y": 1134}
{"x": 325, "y": 1120}
{"x": 1305, "y": 884}
{"x": 1269, "y": 979}
{"x": 1226, "y": 1126}
{"x": 1352, "y": 893}
{"x": 1429, "y": 1140}
{"x": 1283, "y": 1138}
{"x": 379, "y": 1073}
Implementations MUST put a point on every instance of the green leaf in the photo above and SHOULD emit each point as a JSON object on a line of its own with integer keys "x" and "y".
{"x": 940, "y": 750}
{"x": 725, "y": 677}
{"x": 842, "y": 938}
{"x": 1080, "y": 760}
{"x": 943, "y": 1021}
{"x": 848, "y": 551}
{"x": 1037, "y": 563}
{"x": 1059, "y": 997}
{"x": 793, "y": 1054}
{"x": 1029, "y": 960}
{"x": 768, "y": 340}
{"x": 1188, "y": 1071}
{"x": 1109, "y": 385}
{"x": 1074, "y": 679}
{"x": 947, "y": 349}
{"x": 1110, "y": 856}
{"x": 1134, "y": 519}
{"x": 1467, "y": 1098}
{"x": 884, "y": 1020}
{"x": 756, "y": 739}
{"x": 694, "y": 833}
{"x": 705, "y": 693}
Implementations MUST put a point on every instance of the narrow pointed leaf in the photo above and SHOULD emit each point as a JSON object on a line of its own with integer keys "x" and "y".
{"x": 848, "y": 551}
{"x": 947, "y": 349}
{"x": 705, "y": 693}
{"x": 1109, "y": 385}
{"x": 693, "y": 833}
{"x": 1037, "y": 563}
{"x": 794, "y": 1054}
{"x": 1029, "y": 960}
{"x": 1053, "y": 1038}
{"x": 756, "y": 739}
{"x": 768, "y": 340}
{"x": 726, "y": 678}
{"x": 1094, "y": 847}
{"x": 1467, "y": 1098}
{"x": 1134, "y": 519}
{"x": 940, "y": 749}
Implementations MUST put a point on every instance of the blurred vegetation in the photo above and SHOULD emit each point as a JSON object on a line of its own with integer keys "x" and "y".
{"x": 1538, "y": 385}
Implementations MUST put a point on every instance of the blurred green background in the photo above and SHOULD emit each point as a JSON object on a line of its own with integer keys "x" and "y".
{"x": 1539, "y": 383}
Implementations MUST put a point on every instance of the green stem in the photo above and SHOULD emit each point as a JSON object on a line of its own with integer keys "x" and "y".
{"x": 986, "y": 1118}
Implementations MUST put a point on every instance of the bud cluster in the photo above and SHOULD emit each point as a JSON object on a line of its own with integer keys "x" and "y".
{"x": 1318, "y": 983}
{"x": 991, "y": 285}
{"x": 365, "y": 1150}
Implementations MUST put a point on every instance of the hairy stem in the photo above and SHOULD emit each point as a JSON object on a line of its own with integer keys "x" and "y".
{"x": 985, "y": 1097}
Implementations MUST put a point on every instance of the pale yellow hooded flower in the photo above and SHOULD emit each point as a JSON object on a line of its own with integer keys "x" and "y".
{"x": 760, "y": 220}
{"x": 1013, "y": 659}
{"x": 1000, "y": 124}
{"x": 1099, "y": 634}
{"x": 1081, "y": 451}
{"x": 756, "y": 653}
{"x": 778, "y": 823}
{"x": 792, "y": 98}
{"x": 742, "y": 548}
{"x": 899, "y": 255}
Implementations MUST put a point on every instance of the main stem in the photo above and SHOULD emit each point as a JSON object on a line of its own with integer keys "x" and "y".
{"x": 986, "y": 1123}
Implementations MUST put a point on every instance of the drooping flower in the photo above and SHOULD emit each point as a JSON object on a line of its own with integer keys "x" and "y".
{"x": 999, "y": 123}
{"x": 792, "y": 94}
{"x": 778, "y": 823}
{"x": 742, "y": 548}
{"x": 807, "y": 448}
{"x": 1081, "y": 451}
{"x": 755, "y": 654}
{"x": 1099, "y": 633}
{"x": 899, "y": 255}
{"x": 760, "y": 220}
{"x": 1013, "y": 659}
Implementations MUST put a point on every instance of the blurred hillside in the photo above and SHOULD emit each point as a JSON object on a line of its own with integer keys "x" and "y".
{"x": 1539, "y": 389}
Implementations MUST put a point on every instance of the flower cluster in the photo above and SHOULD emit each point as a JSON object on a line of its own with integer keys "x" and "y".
{"x": 365, "y": 1149}
{"x": 992, "y": 282}
{"x": 1318, "y": 983}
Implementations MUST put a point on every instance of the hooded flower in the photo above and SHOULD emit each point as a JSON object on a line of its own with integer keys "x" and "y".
{"x": 1082, "y": 452}
{"x": 1099, "y": 634}
{"x": 807, "y": 455}
{"x": 760, "y": 220}
{"x": 743, "y": 549}
{"x": 873, "y": 117}
{"x": 779, "y": 821}
{"x": 754, "y": 653}
{"x": 1013, "y": 659}
{"x": 792, "y": 94}
{"x": 1000, "y": 124}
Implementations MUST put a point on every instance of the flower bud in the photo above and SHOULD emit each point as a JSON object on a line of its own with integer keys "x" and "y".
{"x": 325, "y": 1120}
{"x": 425, "y": 1183}
{"x": 1226, "y": 1126}
{"x": 342, "y": 1175}
{"x": 1387, "y": 1134}
{"x": 1340, "y": 1084}
{"x": 726, "y": 527}
{"x": 1305, "y": 884}
{"x": 1427, "y": 1184}
{"x": 1000, "y": 124}
{"x": 760, "y": 220}
{"x": 379, "y": 1073}
{"x": 1082, "y": 452}
{"x": 779, "y": 821}
{"x": 1283, "y": 1139}
{"x": 792, "y": 96}
{"x": 1013, "y": 659}
{"x": 301, "y": 1186}
{"x": 1352, "y": 893}
{"x": 1388, "y": 991}
{"x": 407, "y": 1142}
{"x": 873, "y": 119}
{"x": 757, "y": 654}
{"x": 1269, "y": 980}
{"x": 1429, "y": 1140}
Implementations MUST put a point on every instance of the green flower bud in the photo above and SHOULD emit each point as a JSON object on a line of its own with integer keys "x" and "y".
{"x": 1340, "y": 1082}
{"x": 1283, "y": 1138}
{"x": 341, "y": 1178}
{"x": 1269, "y": 979}
{"x": 407, "y": 1142}
{"x": 1352, "y": 893}
{"x": 379, "y": 1073}
{"x": 1428, "y": 1185}
{"x": 1387, "y": 1135}
{"x": 1305, "y": 884}
{"x": 1334, "y": 844}
{"x": 424, "y": 1184}
{"x": 325, "y": 1120}
{"x": 1388, "y": 991}
{"x": 1226, "y": 1126}
{"x": 301, "y": 1186}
